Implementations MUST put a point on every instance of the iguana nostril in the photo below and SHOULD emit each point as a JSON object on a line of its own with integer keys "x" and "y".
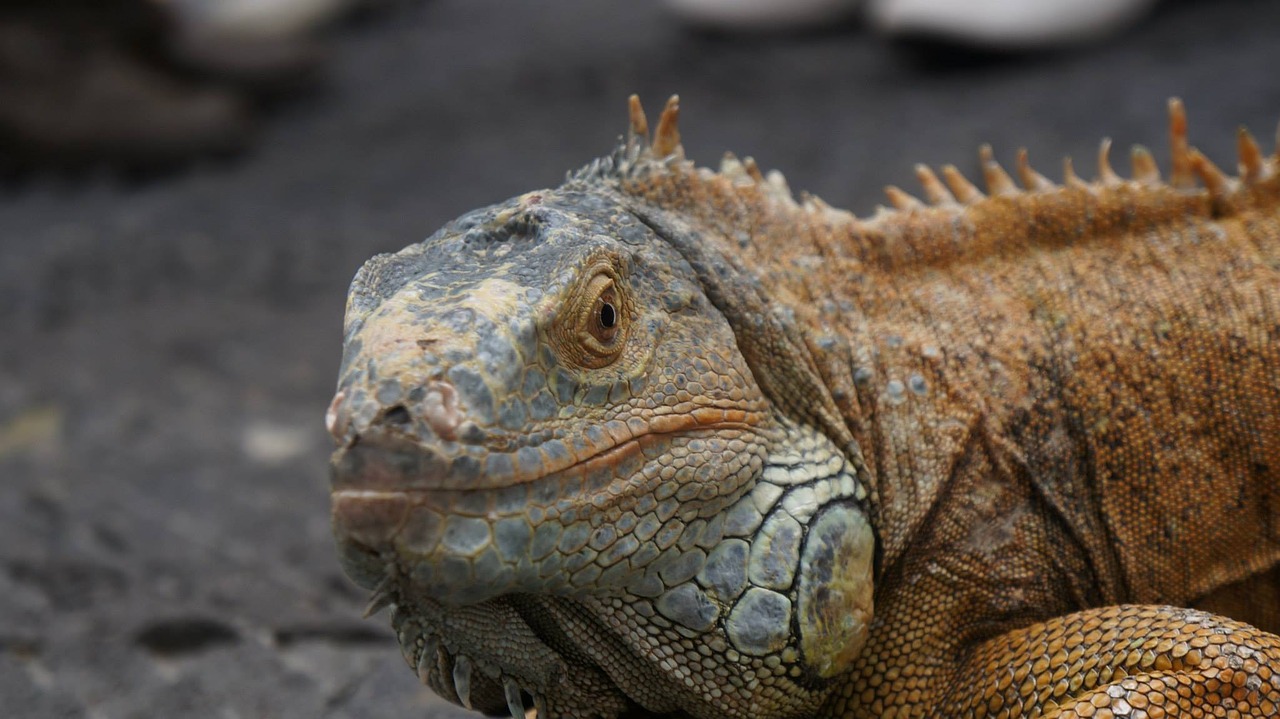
{"x": 397, "y": 416}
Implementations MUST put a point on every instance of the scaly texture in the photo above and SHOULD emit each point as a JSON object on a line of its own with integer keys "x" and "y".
{"x": 665, "y": 441}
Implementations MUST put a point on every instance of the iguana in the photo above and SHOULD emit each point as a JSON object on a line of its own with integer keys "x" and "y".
{"x": 664, "y": 441}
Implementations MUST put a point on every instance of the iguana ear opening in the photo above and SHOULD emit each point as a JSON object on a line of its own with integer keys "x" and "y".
{"x": 834, "y": 589}
{"x": 770, "y": 339}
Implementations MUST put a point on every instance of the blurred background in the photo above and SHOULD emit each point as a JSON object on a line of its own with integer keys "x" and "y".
{"x": 185, "y": 193}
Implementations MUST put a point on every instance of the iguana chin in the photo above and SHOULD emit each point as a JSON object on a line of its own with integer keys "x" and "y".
{"x": 664, "y": 441}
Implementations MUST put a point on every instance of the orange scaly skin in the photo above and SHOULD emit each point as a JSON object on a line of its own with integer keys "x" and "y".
{"x": 1060, "y": 406}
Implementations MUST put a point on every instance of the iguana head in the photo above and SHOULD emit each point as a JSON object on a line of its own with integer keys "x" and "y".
{"x": 557, "y": 461}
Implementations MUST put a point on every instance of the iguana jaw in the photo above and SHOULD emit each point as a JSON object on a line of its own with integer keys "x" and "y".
{"x": 574, "y": 650}
{"x": 465, "y": 634}
{"x": 468, "y": 639}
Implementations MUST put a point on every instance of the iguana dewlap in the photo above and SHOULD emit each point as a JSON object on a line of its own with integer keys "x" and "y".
{"x": 664, "y": 441}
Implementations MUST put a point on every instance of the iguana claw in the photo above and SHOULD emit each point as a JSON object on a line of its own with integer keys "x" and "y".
{"x": 462, "y": 679}
{"x": 515, "y": 704}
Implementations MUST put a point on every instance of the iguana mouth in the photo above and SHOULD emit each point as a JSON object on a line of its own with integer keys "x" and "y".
{"x": 388, "y": 469}
{"x": 480, "y": 468}
{"x": 390, "y": 505}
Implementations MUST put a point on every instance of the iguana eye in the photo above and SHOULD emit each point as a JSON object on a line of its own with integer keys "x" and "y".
{"x": 592, "y": 326}
{"x": 603, "y": 322}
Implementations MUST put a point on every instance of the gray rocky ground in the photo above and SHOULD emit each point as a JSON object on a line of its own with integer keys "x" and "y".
{"x": 167, "y": 349}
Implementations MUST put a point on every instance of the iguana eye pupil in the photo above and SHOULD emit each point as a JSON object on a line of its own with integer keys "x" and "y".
{"x": 608, "y": 316}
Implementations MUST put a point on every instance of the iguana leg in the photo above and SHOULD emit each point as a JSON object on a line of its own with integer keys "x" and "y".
{"x": 1125, "y": 661}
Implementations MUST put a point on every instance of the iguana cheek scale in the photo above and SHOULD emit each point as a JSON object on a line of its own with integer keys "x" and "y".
{"x": 665, "y": 441}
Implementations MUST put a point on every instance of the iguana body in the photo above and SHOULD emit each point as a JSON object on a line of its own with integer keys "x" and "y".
{"x": 665, "y": 441}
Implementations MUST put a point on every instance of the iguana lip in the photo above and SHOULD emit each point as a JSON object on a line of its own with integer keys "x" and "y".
{"x": 375, "y": 513}
{"x": 381, "y": 464}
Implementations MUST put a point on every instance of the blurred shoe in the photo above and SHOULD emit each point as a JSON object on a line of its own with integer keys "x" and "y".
{"x": 249, "y": 21}
{"x": 260, "y": 67}
{"x": 762, "y": 14}
{"x": 76, "y": 96}
{"x": 992, "y": 24}
{"x": 1005, "y": 24}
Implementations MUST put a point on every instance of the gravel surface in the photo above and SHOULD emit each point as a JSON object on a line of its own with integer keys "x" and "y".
{"x": 169, "y": 348}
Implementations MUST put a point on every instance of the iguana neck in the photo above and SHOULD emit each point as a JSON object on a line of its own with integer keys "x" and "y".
{"x": 881, "y": 335}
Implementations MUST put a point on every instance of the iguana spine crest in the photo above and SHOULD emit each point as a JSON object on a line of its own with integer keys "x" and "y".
{"x": 640, "y": 153}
